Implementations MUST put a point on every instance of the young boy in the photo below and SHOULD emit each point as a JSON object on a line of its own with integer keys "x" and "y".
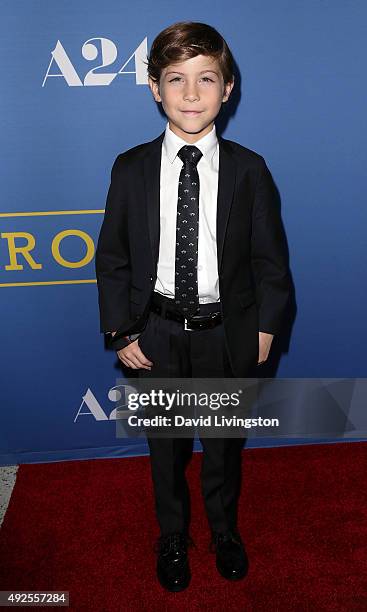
{"x": 192, "y": 276}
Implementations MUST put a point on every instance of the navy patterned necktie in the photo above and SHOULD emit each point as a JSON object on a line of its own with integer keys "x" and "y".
{"x": 187, "y": 233}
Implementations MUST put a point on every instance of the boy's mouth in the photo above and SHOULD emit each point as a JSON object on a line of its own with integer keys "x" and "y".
{"x": 193, "y": 113}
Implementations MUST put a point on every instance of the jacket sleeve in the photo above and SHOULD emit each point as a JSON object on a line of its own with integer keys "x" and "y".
{"x": 112, "y": 260}
{"x": 269, "y": 259}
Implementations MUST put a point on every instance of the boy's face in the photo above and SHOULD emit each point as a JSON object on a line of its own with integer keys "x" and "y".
{"x": 192, "y": 93}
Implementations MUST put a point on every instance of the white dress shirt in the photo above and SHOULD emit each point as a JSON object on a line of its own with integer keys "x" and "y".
{"x": 208, "y": 170}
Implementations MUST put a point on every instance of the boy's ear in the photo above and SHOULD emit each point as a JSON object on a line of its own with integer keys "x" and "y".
{"x": 227, "y": 90}
{"x": 154, "y": 88}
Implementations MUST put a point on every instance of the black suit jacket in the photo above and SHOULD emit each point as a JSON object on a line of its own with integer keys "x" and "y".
{"x": 254, "y": 280}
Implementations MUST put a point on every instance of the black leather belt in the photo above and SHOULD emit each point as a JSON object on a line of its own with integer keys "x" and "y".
{"x": 204, "y": 321}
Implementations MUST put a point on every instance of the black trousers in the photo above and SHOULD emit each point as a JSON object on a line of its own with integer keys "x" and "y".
{"x": 178, "y": 353}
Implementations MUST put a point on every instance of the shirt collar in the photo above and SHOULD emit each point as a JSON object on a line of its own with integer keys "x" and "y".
{"x": 173, "y": 143}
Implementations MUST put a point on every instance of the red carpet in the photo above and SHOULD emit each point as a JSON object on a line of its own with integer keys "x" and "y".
{"x": 89, "y": 527}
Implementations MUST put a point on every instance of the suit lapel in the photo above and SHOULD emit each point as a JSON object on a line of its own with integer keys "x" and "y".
{"x": 226, "y": 183}
{"x": 152, "y": 172}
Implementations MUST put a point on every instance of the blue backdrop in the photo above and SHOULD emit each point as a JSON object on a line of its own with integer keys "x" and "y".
{"x": 299, "y": 101}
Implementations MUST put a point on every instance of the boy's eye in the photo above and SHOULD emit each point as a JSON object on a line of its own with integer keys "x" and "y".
{"x": 204, "y": 79}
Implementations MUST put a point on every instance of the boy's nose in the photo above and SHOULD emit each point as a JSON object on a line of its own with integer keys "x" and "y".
{"x": 191, "y": 97}
{"x": 191, "y": 93}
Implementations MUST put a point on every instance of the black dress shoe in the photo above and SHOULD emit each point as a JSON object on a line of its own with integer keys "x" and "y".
{"x": 173, "y": 568}
{"x": 231, "y": 558}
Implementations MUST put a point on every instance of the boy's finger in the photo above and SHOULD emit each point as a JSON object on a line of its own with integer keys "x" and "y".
{"x": 135, "y": 361}
{"x": 127, "y": 362}
{"x": 140, "y": 355}
{"x": 138, "y": 363}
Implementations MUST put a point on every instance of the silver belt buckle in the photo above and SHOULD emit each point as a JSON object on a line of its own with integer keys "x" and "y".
{"x": 185, "y": 325}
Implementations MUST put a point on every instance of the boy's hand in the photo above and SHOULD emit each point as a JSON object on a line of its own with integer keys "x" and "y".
{"x": 265, "y": 341}
{"x": 133, "y": 357}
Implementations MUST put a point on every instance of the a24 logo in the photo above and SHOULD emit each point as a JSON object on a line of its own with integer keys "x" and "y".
{"x": 91, "y": 49}
{"x": 90, "y": 406}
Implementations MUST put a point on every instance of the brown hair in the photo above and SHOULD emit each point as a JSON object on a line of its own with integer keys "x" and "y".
{"x": 184, "y": 40}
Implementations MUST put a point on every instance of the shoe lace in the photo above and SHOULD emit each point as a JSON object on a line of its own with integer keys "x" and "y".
{"x": 220, "y": 538}
{"x": 174, "y": 542}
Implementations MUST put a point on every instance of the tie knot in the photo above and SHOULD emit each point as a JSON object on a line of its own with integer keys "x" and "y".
{"x": 189, "y": 153}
